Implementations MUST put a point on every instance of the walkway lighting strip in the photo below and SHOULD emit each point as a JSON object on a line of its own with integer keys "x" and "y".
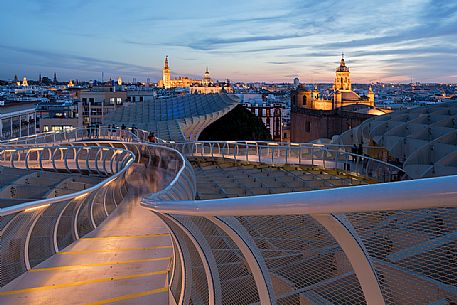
{"x": 37, "y": 208}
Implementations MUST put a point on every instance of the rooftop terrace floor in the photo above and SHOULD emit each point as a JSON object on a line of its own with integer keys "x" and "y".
{"x": 223, "y": 179}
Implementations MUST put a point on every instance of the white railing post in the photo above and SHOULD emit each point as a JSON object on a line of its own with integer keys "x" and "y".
{"x": 287, "y": 154}
{"x": 272, "y": 154}
{"x": 356, "y": 255}
{"x": 259, "y": 153}
{"x": 336, "y": 159}
{"x": 236, "y": 232}
{"x": 312, "y": 155}
{"x": 247, "y": 152}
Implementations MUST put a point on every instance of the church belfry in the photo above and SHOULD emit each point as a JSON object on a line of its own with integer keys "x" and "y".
{"x": 166, "y": 74}
{"x": 342, "y": 80}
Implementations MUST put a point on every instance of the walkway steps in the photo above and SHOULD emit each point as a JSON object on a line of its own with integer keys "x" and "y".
{"x": 124, "y": 261}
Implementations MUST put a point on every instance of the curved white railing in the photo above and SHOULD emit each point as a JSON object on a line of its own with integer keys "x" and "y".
{"x": 403, "y": 195}
{"x": 106, "y": 161}
{"x": 304, "y": 154}
{"x": 345, "y": 245}
{"x": 339, "y": 246}
{"x": 34, "y": 230}
{"x": 75, "y": 134}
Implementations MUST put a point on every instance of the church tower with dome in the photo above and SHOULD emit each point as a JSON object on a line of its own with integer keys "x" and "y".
{"x": 342, "y": 80}
{"x": 196, "y": 86}
{"x": 340, "y": 96}
{"x": 206, "y": 78}
{"x": 315, "y": 115}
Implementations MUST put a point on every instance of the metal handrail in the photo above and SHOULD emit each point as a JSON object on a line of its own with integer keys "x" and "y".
{"x": 141, "y": 136}
{"x": 404, "y": 195}
{"x": 45, "y": 202}
{"x": 274, "y": 153}
{"x": 186, "y": 166}
{"x": 210, "y": 225}
{"x": 327, "y": 213}
{"x": 265, "y": 142}
{"x": 104, "y": 159}
{"x": 74, "y": 134}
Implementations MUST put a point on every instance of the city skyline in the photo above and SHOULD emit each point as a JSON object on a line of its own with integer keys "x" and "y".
{"x": 271, "y": 41}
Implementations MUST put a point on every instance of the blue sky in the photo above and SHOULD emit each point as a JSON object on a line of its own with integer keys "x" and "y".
{"x": 270, "y": 40}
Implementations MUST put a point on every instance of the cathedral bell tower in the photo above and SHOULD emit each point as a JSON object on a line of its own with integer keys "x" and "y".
{"x": 342, "y": 81}
{"x": 166, "y": 74}
{"x": 371, "y": 96}
{"x": 206, "y": 81}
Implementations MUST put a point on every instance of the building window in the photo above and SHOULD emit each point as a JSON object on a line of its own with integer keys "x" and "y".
{"x": 111, "y": 101}
{"x": 141, "y": 98}
{"x": 45, "y": 128}
{"x": 91, "y": 100}
{"x": 307, "y": 126}
{"x": 119, "y": 101}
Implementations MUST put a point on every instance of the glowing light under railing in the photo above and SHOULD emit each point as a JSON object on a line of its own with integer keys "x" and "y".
{"x": 294, "y": 144}
{"x": 37, "y": 208}
{"x": 171, "y": 142}
{"x": 109, "y": 182}
{"x": 36, "y": 149}
{"x": 80, "y": 197}
{"x": 105, "y": 149}
{"x": 273, "y": 144}
{"x": 318, "y": 145}
{"x": 9, "y": 150}
{"x": 14, "y": 139}
{"x": 251, "y": 142}
{"x": 230, "y": 142}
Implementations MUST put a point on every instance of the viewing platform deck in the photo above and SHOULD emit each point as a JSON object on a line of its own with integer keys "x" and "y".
{"x": 125, "y": 260}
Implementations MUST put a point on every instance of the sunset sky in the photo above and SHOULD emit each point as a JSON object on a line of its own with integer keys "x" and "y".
{"x": 255, "y": 40}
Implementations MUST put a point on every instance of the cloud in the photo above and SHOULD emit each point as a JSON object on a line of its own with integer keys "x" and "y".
{"x": 141, "y": 43}
{"x": 214, "y": 43}
{"x": 257, "y": 50}
{"x": 423, "y": 51}
{"x": 380, "y": 38}
{"x": 281, "y": 62}
{"x": 78, "y": 62}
